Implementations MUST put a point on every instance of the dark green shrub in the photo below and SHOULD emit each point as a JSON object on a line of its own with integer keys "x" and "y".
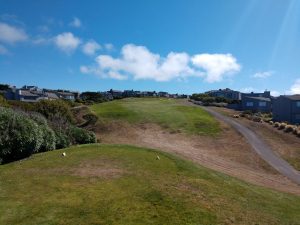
{"x": 81, "y": 136}
{"x": 49, "y": 140}
{"x": 62, "y": 140}
{"x": 19, "y": 135}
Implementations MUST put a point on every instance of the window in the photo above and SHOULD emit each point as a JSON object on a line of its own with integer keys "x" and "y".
{"x": 298, "y": 104}
{"x": 249, "y": 104}
{"x": 262, "y": 104}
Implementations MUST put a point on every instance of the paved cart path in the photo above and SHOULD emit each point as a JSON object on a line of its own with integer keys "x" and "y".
{"x": 263, "y": 150}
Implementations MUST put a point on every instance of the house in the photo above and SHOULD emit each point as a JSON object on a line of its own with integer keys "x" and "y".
{"x": 65, "y": 95}
{"x": 28, "y": 96}
{"x": 51, "y": 95}
{"x": 163, "y": 94}
{"x": 256, "y": 104}
{"x": 286, "y": 108}
{"x": 116, "y": 93}
{"x": 225, "y": 93}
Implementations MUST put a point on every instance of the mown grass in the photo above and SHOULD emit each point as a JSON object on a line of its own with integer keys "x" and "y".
{"x": 168, "y": 113}
{"x": 45, "y": 189}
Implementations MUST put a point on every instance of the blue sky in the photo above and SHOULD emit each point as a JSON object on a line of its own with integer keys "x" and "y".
{"x": 182, "y": 46}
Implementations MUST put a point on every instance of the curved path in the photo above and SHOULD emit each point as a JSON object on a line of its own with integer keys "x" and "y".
{"x": 263, "y": 150}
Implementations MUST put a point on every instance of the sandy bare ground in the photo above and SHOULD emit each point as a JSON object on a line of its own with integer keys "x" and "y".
{"x": 228, "y": 153}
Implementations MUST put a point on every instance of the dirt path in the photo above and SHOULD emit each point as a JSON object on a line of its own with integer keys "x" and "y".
{"x": 260, "y": 147}
{"x": 228, "y": 153}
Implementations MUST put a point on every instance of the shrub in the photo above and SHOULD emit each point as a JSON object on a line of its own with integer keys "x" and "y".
{"x": 276, "y": 124}
{"x": 289, "y": 128}
{"x": 49, "y": 140}
{"x": 19, "y": 135}
{"x": 25, "y": 106}
{"x": 3, "y": 102}
{"x": 256, "y": 119}
{"x": 271, "y": 122}
{"x": 62, "y": 140}
{"x": 91, "y": 118}
{"x": 295, "y": 130}
{"x": 81, "y": 136}
{"x": 55, "y": 110}
{"x": 282, "y": 126}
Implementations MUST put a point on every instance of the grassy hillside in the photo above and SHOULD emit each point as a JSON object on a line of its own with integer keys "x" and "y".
{"x": 115, "y": 184}
{"x": 169, "y": 113}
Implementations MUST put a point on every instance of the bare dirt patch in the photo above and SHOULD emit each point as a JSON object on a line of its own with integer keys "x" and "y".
{"x": 101, "y": 168}
{"x": 98, "y": 168}
{"x": 228, "y": 153}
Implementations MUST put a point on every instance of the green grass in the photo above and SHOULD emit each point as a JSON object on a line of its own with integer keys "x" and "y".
{"x": 135, "y": 189}
{"x": 168, "y": 113}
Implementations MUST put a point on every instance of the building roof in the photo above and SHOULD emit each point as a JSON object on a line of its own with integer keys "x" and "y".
{"x": 65, "y": 93}
{"x": 27, "y": 93}
{"x": 51, "y": 95}
{"x": 259, "y": 98}
{"x": 292, "y": 97}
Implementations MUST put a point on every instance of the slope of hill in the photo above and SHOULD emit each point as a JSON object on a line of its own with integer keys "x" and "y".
{"x": 118, "y": 184}
{"x": 176, "y": 126}
{"x": 164, "y": 112}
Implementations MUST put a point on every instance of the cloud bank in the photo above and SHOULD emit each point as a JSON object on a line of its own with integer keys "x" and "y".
{"x": 141, "y": 64}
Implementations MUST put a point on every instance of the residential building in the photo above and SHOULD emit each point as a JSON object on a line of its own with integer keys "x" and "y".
{"x": 65, "y": 95}
{"x": 256, "y": 104}
{"x": 286, "y": 108}
{"x": 116, "y": 93}
{"x": 225, "y": 93}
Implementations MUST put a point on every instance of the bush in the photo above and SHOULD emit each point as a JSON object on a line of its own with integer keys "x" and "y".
{"x": 81, "y": 136}
{"x": 25, "y": 106}
{"x": 3, "y": 102}
{"x": 271, "y": 122}
{"x": 49, "y": 139}
{"x": 282, "y": 126}
{"x": 55, "y": 110}
{"x": 256, "y": 119}
{"x": 276, "y": 124}
{"x": 19, "y": 135}
{"x": 62, "y": 140}
{"x": 289, "y": 128}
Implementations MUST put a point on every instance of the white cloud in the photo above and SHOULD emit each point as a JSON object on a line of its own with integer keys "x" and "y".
{"x": 10, "y": 34}
{"x": 3, "y": 50}
{"x": 90, "y": 47}
{"x": 247, "y": 90}
{"x": 67, "y": 42}
{"x": 76, "y": 22}
{"x": 216, "y": 65}
{"x": 275, "y": 93}
{"x": 139, "y": 63}
{"x": 263, "y": 75}
{"x": 295, "y": 88}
